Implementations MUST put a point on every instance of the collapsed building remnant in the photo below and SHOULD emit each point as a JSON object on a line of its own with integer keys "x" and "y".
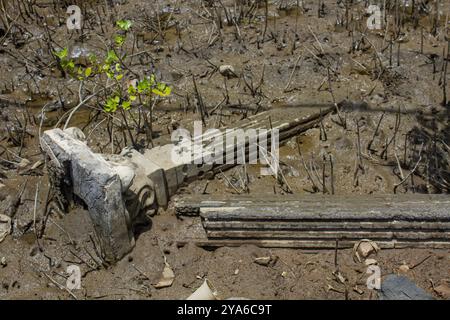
{"x": 316, "y": 221}
{"x": 119, "y": 189}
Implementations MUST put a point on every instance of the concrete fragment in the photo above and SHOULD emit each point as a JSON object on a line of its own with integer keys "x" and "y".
{"x": 94, "y": 181}
{"x": 266, "y": 261}
{"x": 364, "y": 248}
{"x": 115, "y": 199}
{"x": 227, "y": 71}
{"x": 149, "y": 173}
{"x": 205, "y": 292}
{"x": 403, "y": 268}
{"x": 167, "y": 277}
{"x": 401, "y": 288}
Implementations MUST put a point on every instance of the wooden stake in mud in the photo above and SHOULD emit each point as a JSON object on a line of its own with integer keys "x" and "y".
{"x": 444, "y": 84}
{"x": 266, "y": 13}
{"x": 421, "y": 40}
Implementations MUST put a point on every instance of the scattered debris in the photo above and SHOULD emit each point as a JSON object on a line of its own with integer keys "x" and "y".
{"x": 364, "y": 248}
{"x": 227, "y": 71}
{"x": 401, "y": 288}
{"x": 404, "y": 268}
{"x": 339, "y": 277}
{"x": 205, "y": 292}
{"x": 167, "y": 277}
{"x": 358, "y": 290}
{"x": 443, "y": 290}
{"x": 266, "y": 261}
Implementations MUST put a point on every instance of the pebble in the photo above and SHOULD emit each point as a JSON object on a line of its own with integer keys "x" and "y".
{"x": 227, "y": 71}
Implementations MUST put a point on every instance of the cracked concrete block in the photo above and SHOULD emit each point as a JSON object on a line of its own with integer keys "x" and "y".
{"x": 175, "y": 173}
{"x": 98, "y": 184}
{"x": 155, "y": 175}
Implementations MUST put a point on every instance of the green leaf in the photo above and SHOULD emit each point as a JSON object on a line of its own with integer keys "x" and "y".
{"x": 162, "y": 90}
{"x": 71, "y": 65}
{"x": 143, "y": 86}
{"x": 119, "y": 40}
{"x": 61, "y": 54}
{"x": 88, "y": 72}
{"x": 111, "y": 57}
{"x": 119, "y": 77}
{"x": 124, "y": 25}
{"x": 152, "y": 80}
{"x": 111, "y": 104}
{"x": 126, "y": 105}
{"x": 131, "y": 90}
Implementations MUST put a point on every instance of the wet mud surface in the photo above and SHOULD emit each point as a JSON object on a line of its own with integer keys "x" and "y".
{"x": 286, "y": 56}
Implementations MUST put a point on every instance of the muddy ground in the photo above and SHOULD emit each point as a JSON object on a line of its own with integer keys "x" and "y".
{"x": 289, "y": 54}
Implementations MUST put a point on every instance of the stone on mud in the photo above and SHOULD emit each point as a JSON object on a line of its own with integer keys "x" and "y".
{"x": 227, "y": 71}
{"x": 96, "y": 182}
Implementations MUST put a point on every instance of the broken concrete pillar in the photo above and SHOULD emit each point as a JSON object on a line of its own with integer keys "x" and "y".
{"x": 98, "y": 184}
{"x": 119, "y": 189}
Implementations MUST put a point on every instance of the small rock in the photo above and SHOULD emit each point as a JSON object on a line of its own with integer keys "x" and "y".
{"x": 3, "y": 262}
{"x": 167, "y": 278}
{"x": 266, "y": 261}
{"x": 227, "y": 71}
{"x": 364, "y": 248}
{"x": 403, "y": 268}
{"x": 358, "y": 290}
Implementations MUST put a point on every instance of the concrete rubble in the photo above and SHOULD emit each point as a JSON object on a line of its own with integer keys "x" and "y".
{"x": 115, "y": 188}
{"x": 118, "y": 190}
